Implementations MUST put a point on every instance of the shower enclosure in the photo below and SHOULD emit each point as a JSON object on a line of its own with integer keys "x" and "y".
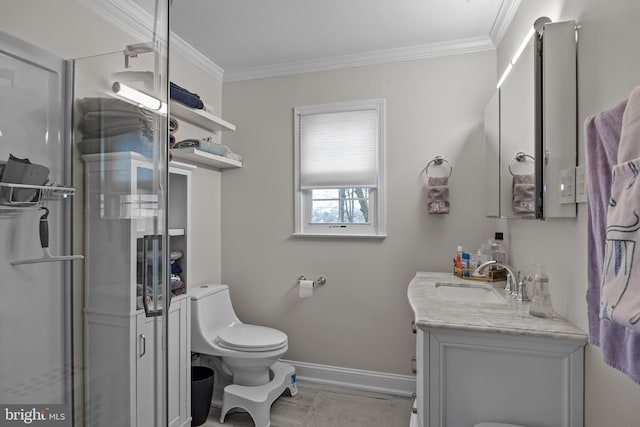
{"x": 84, "y": 178}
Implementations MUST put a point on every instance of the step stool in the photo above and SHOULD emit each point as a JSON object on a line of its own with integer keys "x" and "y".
{"x": 257, "y": 400}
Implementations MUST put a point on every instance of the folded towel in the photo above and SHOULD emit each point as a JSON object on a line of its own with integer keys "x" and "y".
{"x": 173, "y": 125}
{"x": 185, "y": 97}
{"x": 620, "y": 294}
{"x": 620, "y": 346}
{"x": 140, "y": 142}
{"x": 206, "y": 144}
{"x": 438, "y": 195}
{"x": 22, "y": 171}
{"x": 524, "y": 194}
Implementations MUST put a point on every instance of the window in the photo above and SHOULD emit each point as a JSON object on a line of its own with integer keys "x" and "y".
{"x": 339, "y": 169}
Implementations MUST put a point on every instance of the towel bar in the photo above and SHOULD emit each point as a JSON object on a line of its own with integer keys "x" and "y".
{"x": 438, "y": 161}
{"x": 520, "y": 157}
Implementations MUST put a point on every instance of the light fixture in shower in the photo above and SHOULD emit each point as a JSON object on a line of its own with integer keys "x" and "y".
{"x": 140, "y": 98}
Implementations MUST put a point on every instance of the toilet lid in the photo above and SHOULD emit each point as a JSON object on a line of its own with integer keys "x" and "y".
{"x": 244, "y": 337}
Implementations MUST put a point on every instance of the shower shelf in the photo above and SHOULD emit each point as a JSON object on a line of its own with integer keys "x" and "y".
{"x": 42, "y": 195}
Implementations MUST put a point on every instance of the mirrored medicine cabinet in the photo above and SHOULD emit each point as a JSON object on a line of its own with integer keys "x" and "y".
{"x": 530, "y": 127}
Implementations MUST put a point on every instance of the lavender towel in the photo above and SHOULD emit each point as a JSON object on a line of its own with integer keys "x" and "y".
{"x": 438, "y": 195}
{"x": 620, "y": 346}
{"x": 524, "y": 194}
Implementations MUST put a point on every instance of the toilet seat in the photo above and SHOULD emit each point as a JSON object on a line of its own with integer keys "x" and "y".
{"x": 243, "y": 337}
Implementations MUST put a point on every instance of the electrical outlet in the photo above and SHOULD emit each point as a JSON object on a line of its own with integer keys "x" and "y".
{"x": 567, "y": 186}
{"x": 581, "y": 184}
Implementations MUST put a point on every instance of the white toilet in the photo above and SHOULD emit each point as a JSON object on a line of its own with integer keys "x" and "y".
{"x": 249, "y": 353}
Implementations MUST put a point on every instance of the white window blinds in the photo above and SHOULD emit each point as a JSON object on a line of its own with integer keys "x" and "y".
{"x": 339, "y": 149}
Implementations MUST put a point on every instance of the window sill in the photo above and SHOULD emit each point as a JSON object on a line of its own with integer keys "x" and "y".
{"x": 341, "y": 236}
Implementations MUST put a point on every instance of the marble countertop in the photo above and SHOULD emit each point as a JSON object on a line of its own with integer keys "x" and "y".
{"x": 511, "y": 317}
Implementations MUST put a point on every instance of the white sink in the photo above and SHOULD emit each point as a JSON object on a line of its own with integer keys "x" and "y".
{"x": 479, "y": 293}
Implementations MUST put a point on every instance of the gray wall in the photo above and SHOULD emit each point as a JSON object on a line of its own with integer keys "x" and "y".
{"x": 608, "y": 68}
{"x": 361, "y": 317}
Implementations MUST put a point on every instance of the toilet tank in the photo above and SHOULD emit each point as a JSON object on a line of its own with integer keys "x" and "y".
{"x": 211, "y": 309}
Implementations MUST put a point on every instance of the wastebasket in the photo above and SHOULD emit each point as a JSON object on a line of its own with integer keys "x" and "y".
{"x": 201, "y": 392}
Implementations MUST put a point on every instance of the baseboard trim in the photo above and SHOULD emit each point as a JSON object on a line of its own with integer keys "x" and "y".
{"x": 357, "y": 379}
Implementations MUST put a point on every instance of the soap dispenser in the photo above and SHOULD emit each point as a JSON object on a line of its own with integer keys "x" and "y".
{"x": 541, "y": 301}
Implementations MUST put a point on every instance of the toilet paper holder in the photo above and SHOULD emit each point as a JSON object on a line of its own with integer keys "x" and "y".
{"x": 318, "y": 282}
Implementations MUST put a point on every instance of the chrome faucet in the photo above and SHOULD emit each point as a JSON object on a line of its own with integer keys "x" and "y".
{"x": 512, "y": 280}
{"x": 515, "y": 282}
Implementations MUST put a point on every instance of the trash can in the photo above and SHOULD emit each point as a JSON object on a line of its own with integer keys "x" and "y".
{"x": 201, "y": 392}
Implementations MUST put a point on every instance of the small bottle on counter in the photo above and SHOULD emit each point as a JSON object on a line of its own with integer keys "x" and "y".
{"x": 466, "y": 261}
{"x": 459, "y": 258}
{"x": 500, "y": 250}
{"x": 541, "y": 305}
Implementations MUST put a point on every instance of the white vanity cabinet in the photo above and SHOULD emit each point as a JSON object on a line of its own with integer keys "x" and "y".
{"x": 121, "y": 375}
{"x": 492, "y": 362}
{"x": 464, "y": 378}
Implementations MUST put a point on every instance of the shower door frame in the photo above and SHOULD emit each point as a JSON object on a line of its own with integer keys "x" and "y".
{"x": 13, "y": 47}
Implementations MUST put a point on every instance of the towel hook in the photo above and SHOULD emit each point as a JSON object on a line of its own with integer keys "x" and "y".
{"x": 438, "y": 161}
{"x": 520, "y": 157}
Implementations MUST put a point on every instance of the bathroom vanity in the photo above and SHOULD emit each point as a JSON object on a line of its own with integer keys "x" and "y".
{"x": 480, "y": 357}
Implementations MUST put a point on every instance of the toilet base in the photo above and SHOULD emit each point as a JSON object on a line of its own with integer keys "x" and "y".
{"x": 257, "y": 400}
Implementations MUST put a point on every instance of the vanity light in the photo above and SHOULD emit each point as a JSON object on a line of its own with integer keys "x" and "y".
{"x": 504, "y": 75}
{"x": 516, "y": 56}
{"x": 140, "y": 98}
{"x": 523, "y": 45}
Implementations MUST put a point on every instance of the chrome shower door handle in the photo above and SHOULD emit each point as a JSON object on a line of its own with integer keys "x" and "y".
{"x": 143, "y": 345}
{"x": 150, "y": 275}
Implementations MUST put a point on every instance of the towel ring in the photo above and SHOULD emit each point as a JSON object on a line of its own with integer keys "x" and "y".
{"x": 438, "y": 161}
{"x": 520, "y": 157}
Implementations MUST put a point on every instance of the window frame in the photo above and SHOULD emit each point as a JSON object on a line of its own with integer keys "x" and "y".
{"x": 376, "y": 227}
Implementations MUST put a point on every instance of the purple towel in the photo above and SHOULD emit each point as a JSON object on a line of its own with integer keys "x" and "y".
{"x": 620, "y": 346}
{"x": 438, "y": 195}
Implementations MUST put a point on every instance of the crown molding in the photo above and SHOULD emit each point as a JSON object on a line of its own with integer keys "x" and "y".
{"x": 131, "y": 18}
{"x": 136, "y": 21}
{"x": 476, "y": 44}
{"x": 503, "y": 20}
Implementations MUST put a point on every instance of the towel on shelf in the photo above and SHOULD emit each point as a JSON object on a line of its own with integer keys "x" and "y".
{"x": 524, "y": 194}
{"x": 173, "y": 124}
{"x": 620, "y": 346}
{"x": 173, "y": 128}
{"x": 438, "y": 194}
{"x": 620, "y": 294}
{"x": 207, "y": 144}
{"x": 185, "y": 97}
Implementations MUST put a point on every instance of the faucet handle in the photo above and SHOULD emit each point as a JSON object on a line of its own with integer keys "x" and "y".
{"x": 521, "y": 295}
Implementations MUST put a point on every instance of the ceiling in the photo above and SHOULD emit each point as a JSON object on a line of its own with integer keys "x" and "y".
{"x": 257, "y": 38}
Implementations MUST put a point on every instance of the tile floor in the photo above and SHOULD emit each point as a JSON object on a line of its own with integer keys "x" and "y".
{"x": 318, "y": 405}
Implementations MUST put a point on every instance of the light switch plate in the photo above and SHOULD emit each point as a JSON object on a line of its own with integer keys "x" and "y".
{"x": 581, "y": 184}
{"x": 567, "y": 186}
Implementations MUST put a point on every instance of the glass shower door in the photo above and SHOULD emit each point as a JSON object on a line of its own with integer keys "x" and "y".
{"x": 36, "y": 369}
{"x": 121, "y": 131}
{"x": 83, "y": 220}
